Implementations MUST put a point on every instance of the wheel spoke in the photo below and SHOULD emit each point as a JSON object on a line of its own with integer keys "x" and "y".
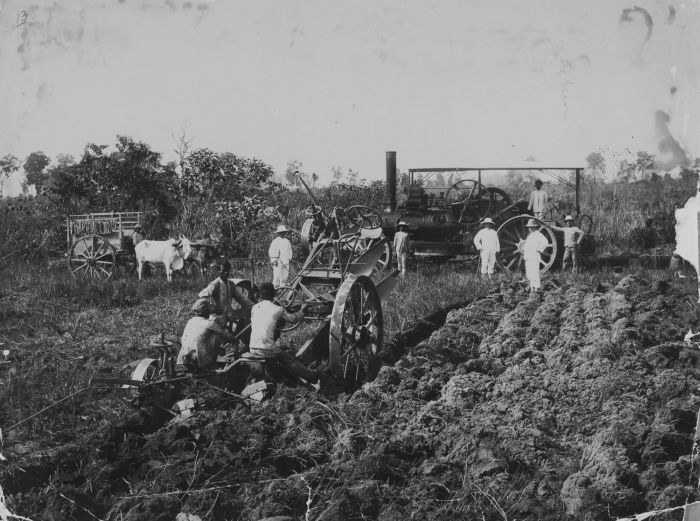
{"x": 82, "y": 266}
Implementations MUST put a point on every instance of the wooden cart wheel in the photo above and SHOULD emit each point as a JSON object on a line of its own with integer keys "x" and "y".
{"x": 356, "y": 331}
{"x": 291, "y": 300}
{"x": 512, "y": 232}
{"x": 92, "y": 257}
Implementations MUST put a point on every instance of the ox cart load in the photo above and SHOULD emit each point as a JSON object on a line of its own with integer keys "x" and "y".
{"x": 99, "y": 243}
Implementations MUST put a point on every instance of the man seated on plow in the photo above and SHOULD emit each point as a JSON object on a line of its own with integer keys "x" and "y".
{"x": 202, "y": 338}
{"x": 220, "y": 292}
{"x": 265, "y": 319}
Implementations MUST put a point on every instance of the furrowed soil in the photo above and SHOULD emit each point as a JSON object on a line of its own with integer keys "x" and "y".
{"x": 580, "y": 404}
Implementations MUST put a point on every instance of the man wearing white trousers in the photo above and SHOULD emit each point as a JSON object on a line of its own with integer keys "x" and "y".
{"x": 281, "y": 254}
{"x": 486, "y": 241}
{"x": 402, "y": 244}
{"x": 532, "y": 248}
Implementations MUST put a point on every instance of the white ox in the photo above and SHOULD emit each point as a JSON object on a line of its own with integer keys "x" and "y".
{"x": 170, "y": 253}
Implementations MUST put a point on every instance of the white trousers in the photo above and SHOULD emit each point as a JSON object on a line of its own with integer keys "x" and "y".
{"x": 280, "y": 274}
{"x": 532, "y": 272}
{"x": 488, "y": 261}
{"x": 401, "y": 261}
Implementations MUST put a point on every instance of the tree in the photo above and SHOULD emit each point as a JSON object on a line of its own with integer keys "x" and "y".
{"x": 626, "y": 171}
{"x": 289, "y": 173}
{"x": 596, "y": 164}
{"x": 35, "y": 167}
{"x": 130, "y": 178}
{"x": 644, "y": 162}
{"x": 337, "y": 174}
{"x": 8, "y": 165}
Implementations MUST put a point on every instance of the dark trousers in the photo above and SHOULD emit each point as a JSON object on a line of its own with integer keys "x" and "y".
{"x": 295, "y": 366}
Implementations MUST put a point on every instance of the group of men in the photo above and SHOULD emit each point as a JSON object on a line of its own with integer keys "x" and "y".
{"x": 534, "y": 244}
{"x": 216, "y": 323}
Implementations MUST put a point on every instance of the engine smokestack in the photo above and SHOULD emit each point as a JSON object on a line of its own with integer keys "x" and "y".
{"x": 390, "y": 193}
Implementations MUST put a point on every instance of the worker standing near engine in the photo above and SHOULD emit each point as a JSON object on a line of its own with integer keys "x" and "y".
{"x": 281, "y": 254}
{"x": 573, "y": 235}
{"x": 402, "y": 244}
{"x": 265, "y": 321}
{"x": 538, "y": 200}
{"x": 532, "y": 247}
{"x": 486, "y": 241}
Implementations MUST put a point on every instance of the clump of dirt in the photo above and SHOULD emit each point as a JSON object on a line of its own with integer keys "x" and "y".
{"x": 580, "y": 404}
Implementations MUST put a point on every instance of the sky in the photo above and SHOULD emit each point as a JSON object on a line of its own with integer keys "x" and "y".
{"x": 447, "y": 83}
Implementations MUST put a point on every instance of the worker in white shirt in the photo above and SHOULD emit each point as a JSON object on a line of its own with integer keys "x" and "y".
{"x": 531, "y": 248}
{"x": 538, "y": 200}
{"x": 265, "y": 320}
{"x": 203, "y": 337}
{"x": 486, "y": 241}
{"x": 573, "y": 235}
{"x": 402, "y": 243}
{"x": 281, "y": 254}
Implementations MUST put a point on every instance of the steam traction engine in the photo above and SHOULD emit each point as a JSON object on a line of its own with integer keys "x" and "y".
{"x": 442, "y": 221}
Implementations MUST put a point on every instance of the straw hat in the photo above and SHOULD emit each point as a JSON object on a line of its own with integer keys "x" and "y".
{"x": 488, "y": 221}
{"x": 532, "y": 224}
{"x": 282, "y": 229}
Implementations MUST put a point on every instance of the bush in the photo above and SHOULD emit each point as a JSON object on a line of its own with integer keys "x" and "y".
{"x": 30, "y": 228}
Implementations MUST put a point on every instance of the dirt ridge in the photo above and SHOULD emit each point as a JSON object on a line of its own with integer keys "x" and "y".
{"x": 580, "y": 404}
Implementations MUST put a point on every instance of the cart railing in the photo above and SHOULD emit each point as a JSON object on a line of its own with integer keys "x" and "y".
{"x": 105, "y": 223}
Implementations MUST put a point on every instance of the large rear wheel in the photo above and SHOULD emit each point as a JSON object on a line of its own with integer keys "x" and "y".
{"x": 512, "y": 233}
{"x": 356, "y": 331}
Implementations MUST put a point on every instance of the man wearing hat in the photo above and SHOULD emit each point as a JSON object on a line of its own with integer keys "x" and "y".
{"x": 486, "y": 241}
{"x": 136, "y": 236}
{"x": 538, "y": 200}
{"x": 280, "y": 253}
{"x": 402, "y": 243}
{"x": 573, "y": 235}
{"x": 219, "y": 294}
{"x": 202, "y": 338}
{"x": 531, "y": 248}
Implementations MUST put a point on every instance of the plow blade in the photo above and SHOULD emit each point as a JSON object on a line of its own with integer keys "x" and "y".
{"x": 365, "y": 263}
{"x": 113, "y": 383}
{"x": 387, "y": 284}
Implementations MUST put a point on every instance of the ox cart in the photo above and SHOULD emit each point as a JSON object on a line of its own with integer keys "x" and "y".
{"x": 100, "y": 243}
{"x": 342, "y": 300}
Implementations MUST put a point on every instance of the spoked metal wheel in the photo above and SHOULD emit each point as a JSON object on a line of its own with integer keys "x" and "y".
{"x": 499, "y": 198}
{"x": 92, "y": 257}
{"x": 291, "y": 300}
{"x": 384, "y": 261}
{"x": 356, "y": 331}
{"x": 158, "y": 395}
{"x": 364, "y": 217}
{"x": 471, "y": 201}
{"x": 510, "y": 235}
